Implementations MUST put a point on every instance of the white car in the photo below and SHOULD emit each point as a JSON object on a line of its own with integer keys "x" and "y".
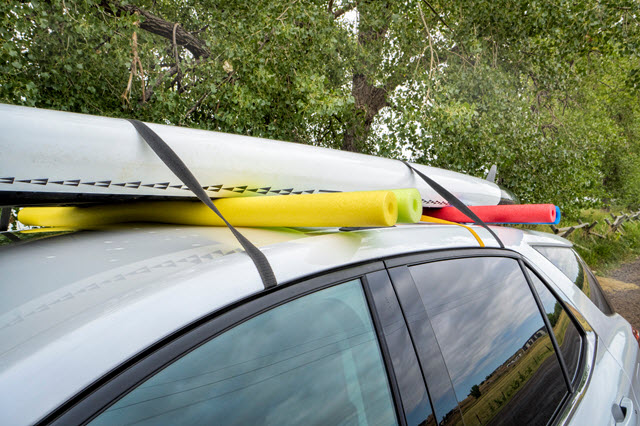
{"x": 413, "y": 324}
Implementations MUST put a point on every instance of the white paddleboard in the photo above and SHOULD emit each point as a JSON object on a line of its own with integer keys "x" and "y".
{"x": 52, "y": 157}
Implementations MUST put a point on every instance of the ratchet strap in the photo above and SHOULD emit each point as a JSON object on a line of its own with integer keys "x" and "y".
{"x": 454, "y": 201}
{"x": 182, "y": 172}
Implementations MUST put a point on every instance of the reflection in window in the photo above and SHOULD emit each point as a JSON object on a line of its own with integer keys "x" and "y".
{"x": 567, "y": 335}
{"x": 314, "y": 360}
{"x": 569, "y": 262}
{"x": 495, "y": 344}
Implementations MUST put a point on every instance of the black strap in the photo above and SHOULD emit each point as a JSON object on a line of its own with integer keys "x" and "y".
{"x": 183, "y": 173}
{"x": 5, "y": 218}
{"x": 454, "y": 201}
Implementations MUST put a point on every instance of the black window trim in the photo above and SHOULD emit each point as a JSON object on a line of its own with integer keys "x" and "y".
{"x": 462, "y": 253}
{"x": 107, "y": 390}
{"x": 448, "y": 254}
{"x": 406, "y": 355}
{"x": 384, "y": 348}
{"x": 402, "y": 272}
{"x": 604, "y": 295}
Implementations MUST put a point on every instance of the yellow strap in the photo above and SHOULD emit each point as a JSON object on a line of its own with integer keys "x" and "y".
{"x": 446, "y": 222}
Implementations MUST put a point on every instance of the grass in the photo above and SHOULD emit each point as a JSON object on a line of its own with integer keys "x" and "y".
{"x": 496, "y": 394}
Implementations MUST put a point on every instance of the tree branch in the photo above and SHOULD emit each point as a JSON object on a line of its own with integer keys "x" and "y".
{"x": 265, "y": 39}
{"x": 228, "y": 79}
{"x": 338, "y": 13}
{"x": 426, "y": 28}
{"x": 194, "y": 107}
{"x": 440, "y": 18}
{"x": 136, "y": 67}
{"x": 175, "y": 54}
{"x": 168, "y": 73}
{"x": 163, "y": 28}
{"x": 200, "y": 30}
{"x": 171, "y": 31}
{"x": 152, "y": 87}
{"x": 330, "y": 6}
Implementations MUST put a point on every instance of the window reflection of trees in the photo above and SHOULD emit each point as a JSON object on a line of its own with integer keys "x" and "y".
{"x": 567, "y": 335}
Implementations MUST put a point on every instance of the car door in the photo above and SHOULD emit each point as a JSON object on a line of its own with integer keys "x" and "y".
{"x": 331, "y": 350}
{"x": 495, "y": 344}
{"x": 610, "y": 394}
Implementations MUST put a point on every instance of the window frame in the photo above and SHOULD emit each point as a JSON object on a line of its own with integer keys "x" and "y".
{"x": 389, "y": 319}
{"x": 571, "y": 313}
{"x": 398, "y": 267}
{"x": 588, "y": 351}
{"x": 107, "y": 390}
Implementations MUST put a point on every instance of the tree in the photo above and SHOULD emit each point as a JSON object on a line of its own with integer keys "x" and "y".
{"x": 530, "y": 86}
{"x": 475, "y": 391}
{"x": 547, "y": 90}
{"x": 293, "y": 71}
{"x": 555, "y": 316}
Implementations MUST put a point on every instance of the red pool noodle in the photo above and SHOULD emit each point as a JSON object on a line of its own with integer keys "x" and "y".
{"x": 517, "y": 213}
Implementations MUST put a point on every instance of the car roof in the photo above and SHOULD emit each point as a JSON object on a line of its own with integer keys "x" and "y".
{"x": 77, "y": 305}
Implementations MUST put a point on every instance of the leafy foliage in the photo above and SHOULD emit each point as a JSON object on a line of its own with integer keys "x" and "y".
{"x": 475, "y": 391}
{"x": 548, "y": 90}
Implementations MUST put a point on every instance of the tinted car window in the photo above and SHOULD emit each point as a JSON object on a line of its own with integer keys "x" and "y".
{"x": 567, "y": 335}
{"x": 314, "y": 360}
{"x": 496, "y": 347}
{"x": 570, "y": 263}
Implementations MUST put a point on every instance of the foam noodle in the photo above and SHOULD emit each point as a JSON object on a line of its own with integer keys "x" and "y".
{"x": 353, "y": 209}
{"x": 409, "y": 205}
{"x": 542, "y": 214}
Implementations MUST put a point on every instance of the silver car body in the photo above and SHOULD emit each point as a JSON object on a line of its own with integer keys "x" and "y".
{"x": 76, "y": 306}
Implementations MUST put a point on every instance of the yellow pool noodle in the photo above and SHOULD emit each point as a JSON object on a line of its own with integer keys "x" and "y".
{"x": 409, "y": 205}
{"x": 350, "y": 209}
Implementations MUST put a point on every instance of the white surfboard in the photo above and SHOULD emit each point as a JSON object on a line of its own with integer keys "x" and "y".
{"x": 52, "y": 157}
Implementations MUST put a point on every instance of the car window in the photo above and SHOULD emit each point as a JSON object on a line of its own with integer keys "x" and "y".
{"x": 314, "y": 360}
{"x": 570, "y": 263}
{"x": 495, "y": 344}
{"x": 567, "y": 335}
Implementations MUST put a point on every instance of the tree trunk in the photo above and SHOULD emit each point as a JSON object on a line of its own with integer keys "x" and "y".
{"x": 369, "y": 101}
{"x": 373, "y": 25}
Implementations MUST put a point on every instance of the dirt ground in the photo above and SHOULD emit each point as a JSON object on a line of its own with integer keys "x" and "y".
{"x": 622, "y": 287}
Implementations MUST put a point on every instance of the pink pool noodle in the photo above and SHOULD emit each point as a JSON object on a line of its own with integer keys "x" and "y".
{"x": 517, "y": 213}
